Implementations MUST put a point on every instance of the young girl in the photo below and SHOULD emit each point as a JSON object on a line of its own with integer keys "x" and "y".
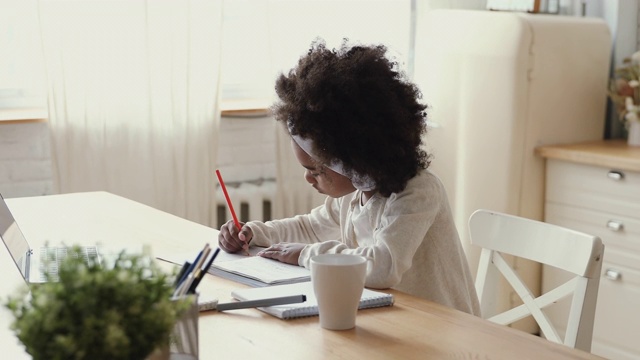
{"x": 356, "y": 127}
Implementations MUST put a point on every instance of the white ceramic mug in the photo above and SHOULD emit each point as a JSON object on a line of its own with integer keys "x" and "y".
{"x": 338, "y": 281}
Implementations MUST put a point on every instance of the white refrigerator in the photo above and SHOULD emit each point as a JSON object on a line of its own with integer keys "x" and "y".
{"x": 499, "y": 84}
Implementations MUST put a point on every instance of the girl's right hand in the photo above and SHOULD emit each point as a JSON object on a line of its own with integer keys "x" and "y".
{"x": 232, "y": 240}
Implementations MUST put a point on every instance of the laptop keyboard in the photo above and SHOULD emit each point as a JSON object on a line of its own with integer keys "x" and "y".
{"x": 51, "y": 257}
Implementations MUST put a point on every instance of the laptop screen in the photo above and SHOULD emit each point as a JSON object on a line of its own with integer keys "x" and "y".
{"x": 13, "y": 238}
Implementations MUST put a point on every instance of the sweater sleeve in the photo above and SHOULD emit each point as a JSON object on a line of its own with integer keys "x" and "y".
{"x": 321, "y": 224}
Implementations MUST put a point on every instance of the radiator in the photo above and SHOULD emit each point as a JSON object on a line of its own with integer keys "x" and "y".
{"x": 252, "y": 200}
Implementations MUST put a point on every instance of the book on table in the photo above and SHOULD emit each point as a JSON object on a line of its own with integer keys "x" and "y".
{"x": 369, "y": 299}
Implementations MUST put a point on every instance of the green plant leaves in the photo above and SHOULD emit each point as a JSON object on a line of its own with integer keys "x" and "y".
{"x": 115, "y": 309}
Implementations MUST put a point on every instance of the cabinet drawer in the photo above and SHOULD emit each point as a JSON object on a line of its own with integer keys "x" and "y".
{"x": 617, "y": 321}
{"x": 593, "y": 187}
{"x": 616, "y": 231}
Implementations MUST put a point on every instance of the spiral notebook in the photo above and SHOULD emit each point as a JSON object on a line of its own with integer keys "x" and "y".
{"x": 370, "y": 299}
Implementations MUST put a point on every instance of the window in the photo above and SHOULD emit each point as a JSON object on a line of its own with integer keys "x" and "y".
{"x": 264, "y": 38}
{"x": 22, "y": 91}
{"x": 261, "y": 39}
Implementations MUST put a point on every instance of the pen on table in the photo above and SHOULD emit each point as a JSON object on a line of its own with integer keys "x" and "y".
{"x": 229, "y": 204}
{"x": 261, "y": 302}
{"x": 202, "y": 271}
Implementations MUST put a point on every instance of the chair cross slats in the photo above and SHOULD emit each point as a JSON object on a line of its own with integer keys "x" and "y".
{"x": 575, "y": 252}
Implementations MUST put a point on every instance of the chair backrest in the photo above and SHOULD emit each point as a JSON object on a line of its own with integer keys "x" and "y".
{"x": 575, "y": 252}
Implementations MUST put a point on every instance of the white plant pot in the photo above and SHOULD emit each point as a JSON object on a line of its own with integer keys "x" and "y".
{"x": 634, "y": 133}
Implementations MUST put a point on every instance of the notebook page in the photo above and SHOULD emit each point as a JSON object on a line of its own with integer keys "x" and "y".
{"x": 268, "y": 271}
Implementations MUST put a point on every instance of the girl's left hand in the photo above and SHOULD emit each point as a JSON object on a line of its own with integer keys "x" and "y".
{"x": 283, "y": 252}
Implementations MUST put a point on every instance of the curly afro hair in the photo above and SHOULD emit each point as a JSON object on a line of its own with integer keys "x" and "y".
{"x": 356, "y": 107}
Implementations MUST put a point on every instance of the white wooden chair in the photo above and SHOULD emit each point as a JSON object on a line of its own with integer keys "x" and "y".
{"x": 577, "y": 253}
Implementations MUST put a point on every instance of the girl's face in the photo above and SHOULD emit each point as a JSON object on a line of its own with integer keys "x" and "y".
{"x": 323, "y": 179}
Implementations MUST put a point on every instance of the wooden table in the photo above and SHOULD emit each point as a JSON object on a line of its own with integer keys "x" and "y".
{"x": 411, "y": 329}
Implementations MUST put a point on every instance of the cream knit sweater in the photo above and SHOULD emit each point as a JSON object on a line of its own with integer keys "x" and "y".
{"x": 410, "y": 235}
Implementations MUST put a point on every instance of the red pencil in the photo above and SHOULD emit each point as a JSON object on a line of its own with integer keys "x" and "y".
{"x": 226, "y": 196}
{"x": 229, "y": 204}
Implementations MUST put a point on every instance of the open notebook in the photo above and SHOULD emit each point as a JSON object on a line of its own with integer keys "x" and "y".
{"x": 261, "y": 270}
{"x": 251, "y": 270}
{"x": 370, "y": 298}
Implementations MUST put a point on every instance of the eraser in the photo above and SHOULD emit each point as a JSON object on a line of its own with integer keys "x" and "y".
{"x": 208, "y": 305}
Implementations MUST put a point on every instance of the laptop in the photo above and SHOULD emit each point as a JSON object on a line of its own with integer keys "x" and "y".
{"x": 34, "y": 264}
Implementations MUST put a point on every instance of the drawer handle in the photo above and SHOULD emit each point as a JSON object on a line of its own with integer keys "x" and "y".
{"x": 615, "y": 225}
{"x": 612, "y": 274}
{"x": 615, "y": 175}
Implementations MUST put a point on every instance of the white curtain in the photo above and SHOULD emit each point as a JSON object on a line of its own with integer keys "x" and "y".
{"x": 133, "y": 99}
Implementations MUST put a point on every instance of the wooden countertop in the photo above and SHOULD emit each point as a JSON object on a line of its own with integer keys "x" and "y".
{"x": 608, "y": 153}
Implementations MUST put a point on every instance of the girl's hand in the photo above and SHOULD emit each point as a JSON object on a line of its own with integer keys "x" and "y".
{"x": 283, "y": 252}
{"x": 232, "y": 240}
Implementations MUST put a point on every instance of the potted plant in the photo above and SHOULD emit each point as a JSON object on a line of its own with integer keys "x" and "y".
{"x": 113, "y": 309}
{"x": 624, "y": 92}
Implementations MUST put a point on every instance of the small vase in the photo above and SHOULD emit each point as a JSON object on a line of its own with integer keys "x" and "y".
{"x": 634, "y": 133}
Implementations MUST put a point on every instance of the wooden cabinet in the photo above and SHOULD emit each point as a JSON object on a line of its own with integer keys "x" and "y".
{"x": 595, "y": 188}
